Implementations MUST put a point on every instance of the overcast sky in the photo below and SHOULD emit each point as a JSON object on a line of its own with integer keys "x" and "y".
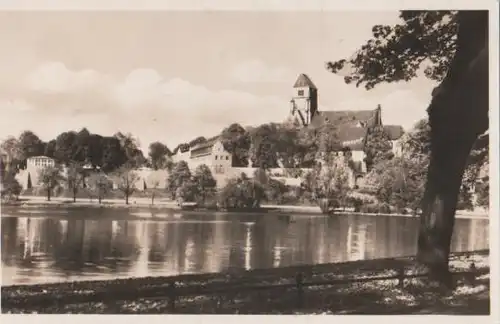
{"x": 172, "y": 76}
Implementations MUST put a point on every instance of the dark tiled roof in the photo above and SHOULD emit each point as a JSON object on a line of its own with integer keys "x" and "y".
{"x": 304, "y": 81}
{"x": 343, "y": 116}
{"x": 394, "y": 131}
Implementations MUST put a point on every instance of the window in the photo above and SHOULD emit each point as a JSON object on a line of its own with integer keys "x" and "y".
{"x": 301, "y": 92}
{"x": 216, "y": 157}
{"x": 227, "y": 157}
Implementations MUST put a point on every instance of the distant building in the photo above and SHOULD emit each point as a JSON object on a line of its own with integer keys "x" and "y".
{"x": 29, "y": 177}
{"x": 352, "y": 125}
{"x": 211, "y": 153}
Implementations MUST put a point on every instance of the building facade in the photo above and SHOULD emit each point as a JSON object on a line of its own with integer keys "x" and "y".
{"x": 352, "y": 125}
{"x": 211, "y": 153}
{"x": 29, "y": 178}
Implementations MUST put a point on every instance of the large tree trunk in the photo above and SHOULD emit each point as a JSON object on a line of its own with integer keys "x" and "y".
{"x": 458, "y": 114}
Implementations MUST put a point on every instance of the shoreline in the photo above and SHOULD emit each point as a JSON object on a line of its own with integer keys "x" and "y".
{"x": 92, "y": 296}
{"x": 27, "y": 203}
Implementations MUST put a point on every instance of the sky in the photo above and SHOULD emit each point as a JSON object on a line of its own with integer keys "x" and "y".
{"x": 173, "y": 76}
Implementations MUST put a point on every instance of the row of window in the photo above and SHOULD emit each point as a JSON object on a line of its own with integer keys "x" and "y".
{"x": 42, "y": 162}
{"x": 222, "y": 157}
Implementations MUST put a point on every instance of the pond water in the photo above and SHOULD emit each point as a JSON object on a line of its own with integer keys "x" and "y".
{"x": 56, "y": 246}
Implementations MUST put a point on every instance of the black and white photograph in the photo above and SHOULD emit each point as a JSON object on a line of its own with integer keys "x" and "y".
{"x": 249, "y": 162}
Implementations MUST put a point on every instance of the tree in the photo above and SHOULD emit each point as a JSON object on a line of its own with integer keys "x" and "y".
{"x": 130, "y": 146}
{"x": 399, "y": 182}
{"x": 288, "y": 150}
{"x": 204, "y": 182}
{"x": 154, "y": 187}
{"x": 82, "y": 146}
{"x": 113, "y": 155}
{"x": 14, "y": 155}
{"x": 264, "y": 146}
{"x": 329, "y": 182}
{"x": 95, "y": 150}
{"x": 196, "y": 141}
{"x": 125, "y": 179}
{"x": 241, "y": 192}
{"x": 10, "y": 187}
{"x": 49, "y": 178}
{"x": 179, "y": 175}
{"x": 417, "y": 142}
{"x": 307, "y": 146}
{"x": 74, "y": 178}
{"x": 159, "y": 155}
{"x": 30, "y": 145}
{"x": 378, "y": 147}
{"x": 236, "y": 140}
{"x": 98, "y": 185}
{"x": 483, "y": 188}
{"x": 66, "y": 147}
{"x": 50, "y": 149}
{"x": 456, "y": 45}
{"x": 396, "y": 53}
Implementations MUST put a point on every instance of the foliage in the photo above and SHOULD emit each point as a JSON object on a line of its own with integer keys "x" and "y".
{"x": 378, "y": 147}
{"x": 113, "y": 155}
{"x": 274, "y": 190}
{"x": 74, "y": 177}
{"x": 264, "y": 147}
{"x": 417, "y": 142}
{"x": 204, "y": 182}
{"x": 483, "y": 188}
{"x": 159, "y": 155}
{"x": 196, "y": 141}
{"x": 329, "y": 181}
{"x": 125, "y": 179}
{"x": 30, "y": 145}
{"x": 180, "y": 174}
{"x": 396, "y": 53}
{"x": 14, "y": 156}
{"x": 327, "y": 138}
{"x": 10, "y": 187}
{"x": 130, "y": 145}
{"x": 98, "y": 185}
{"x": 400, "y": 182}
{"x": 241, "y": 192}
{"x": 236, "y": 140}
{"x": 49, "y": 178}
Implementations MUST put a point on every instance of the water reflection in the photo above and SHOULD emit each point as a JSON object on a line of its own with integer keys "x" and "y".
{"x": 44, "y": 249}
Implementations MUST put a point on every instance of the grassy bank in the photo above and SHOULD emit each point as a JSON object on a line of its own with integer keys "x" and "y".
{"x": 167, "y": 205}
{"x": 150, "y": 295}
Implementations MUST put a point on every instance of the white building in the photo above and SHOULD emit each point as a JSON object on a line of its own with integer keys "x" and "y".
{"x": 29, "y": 177}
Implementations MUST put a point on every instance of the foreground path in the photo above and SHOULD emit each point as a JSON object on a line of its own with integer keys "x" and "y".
{"x": 150, "y": 295}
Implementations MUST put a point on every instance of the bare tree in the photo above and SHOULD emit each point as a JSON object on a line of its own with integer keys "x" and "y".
{"x": 125, "y": 179}
{"x": 49, "y": 178}
{"x": 98, "y": 185}
{"x": 74, "y": 178}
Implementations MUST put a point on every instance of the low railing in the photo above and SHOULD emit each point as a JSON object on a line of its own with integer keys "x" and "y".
{"x": 173, "y": 292}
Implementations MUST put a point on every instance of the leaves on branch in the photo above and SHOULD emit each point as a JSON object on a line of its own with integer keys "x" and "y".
{"x": 396, "y": 53}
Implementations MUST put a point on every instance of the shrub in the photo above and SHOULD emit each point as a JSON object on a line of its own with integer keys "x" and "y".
{"x": 241, "y": 193}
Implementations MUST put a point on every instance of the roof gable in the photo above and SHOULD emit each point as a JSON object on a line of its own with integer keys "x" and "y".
{"x": 303, "y": 81}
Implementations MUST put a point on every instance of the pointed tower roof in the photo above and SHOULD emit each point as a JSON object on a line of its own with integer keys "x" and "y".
{"x": 304, "y": 81}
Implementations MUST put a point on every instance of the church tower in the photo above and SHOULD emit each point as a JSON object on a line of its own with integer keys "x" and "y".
{"x": 304, "y": 103}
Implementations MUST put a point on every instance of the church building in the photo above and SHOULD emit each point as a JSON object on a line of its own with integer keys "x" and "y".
{"x": 352, "y": 125}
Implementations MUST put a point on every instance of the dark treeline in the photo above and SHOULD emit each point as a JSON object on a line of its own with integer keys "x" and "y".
{"x": 105, "y": 152}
